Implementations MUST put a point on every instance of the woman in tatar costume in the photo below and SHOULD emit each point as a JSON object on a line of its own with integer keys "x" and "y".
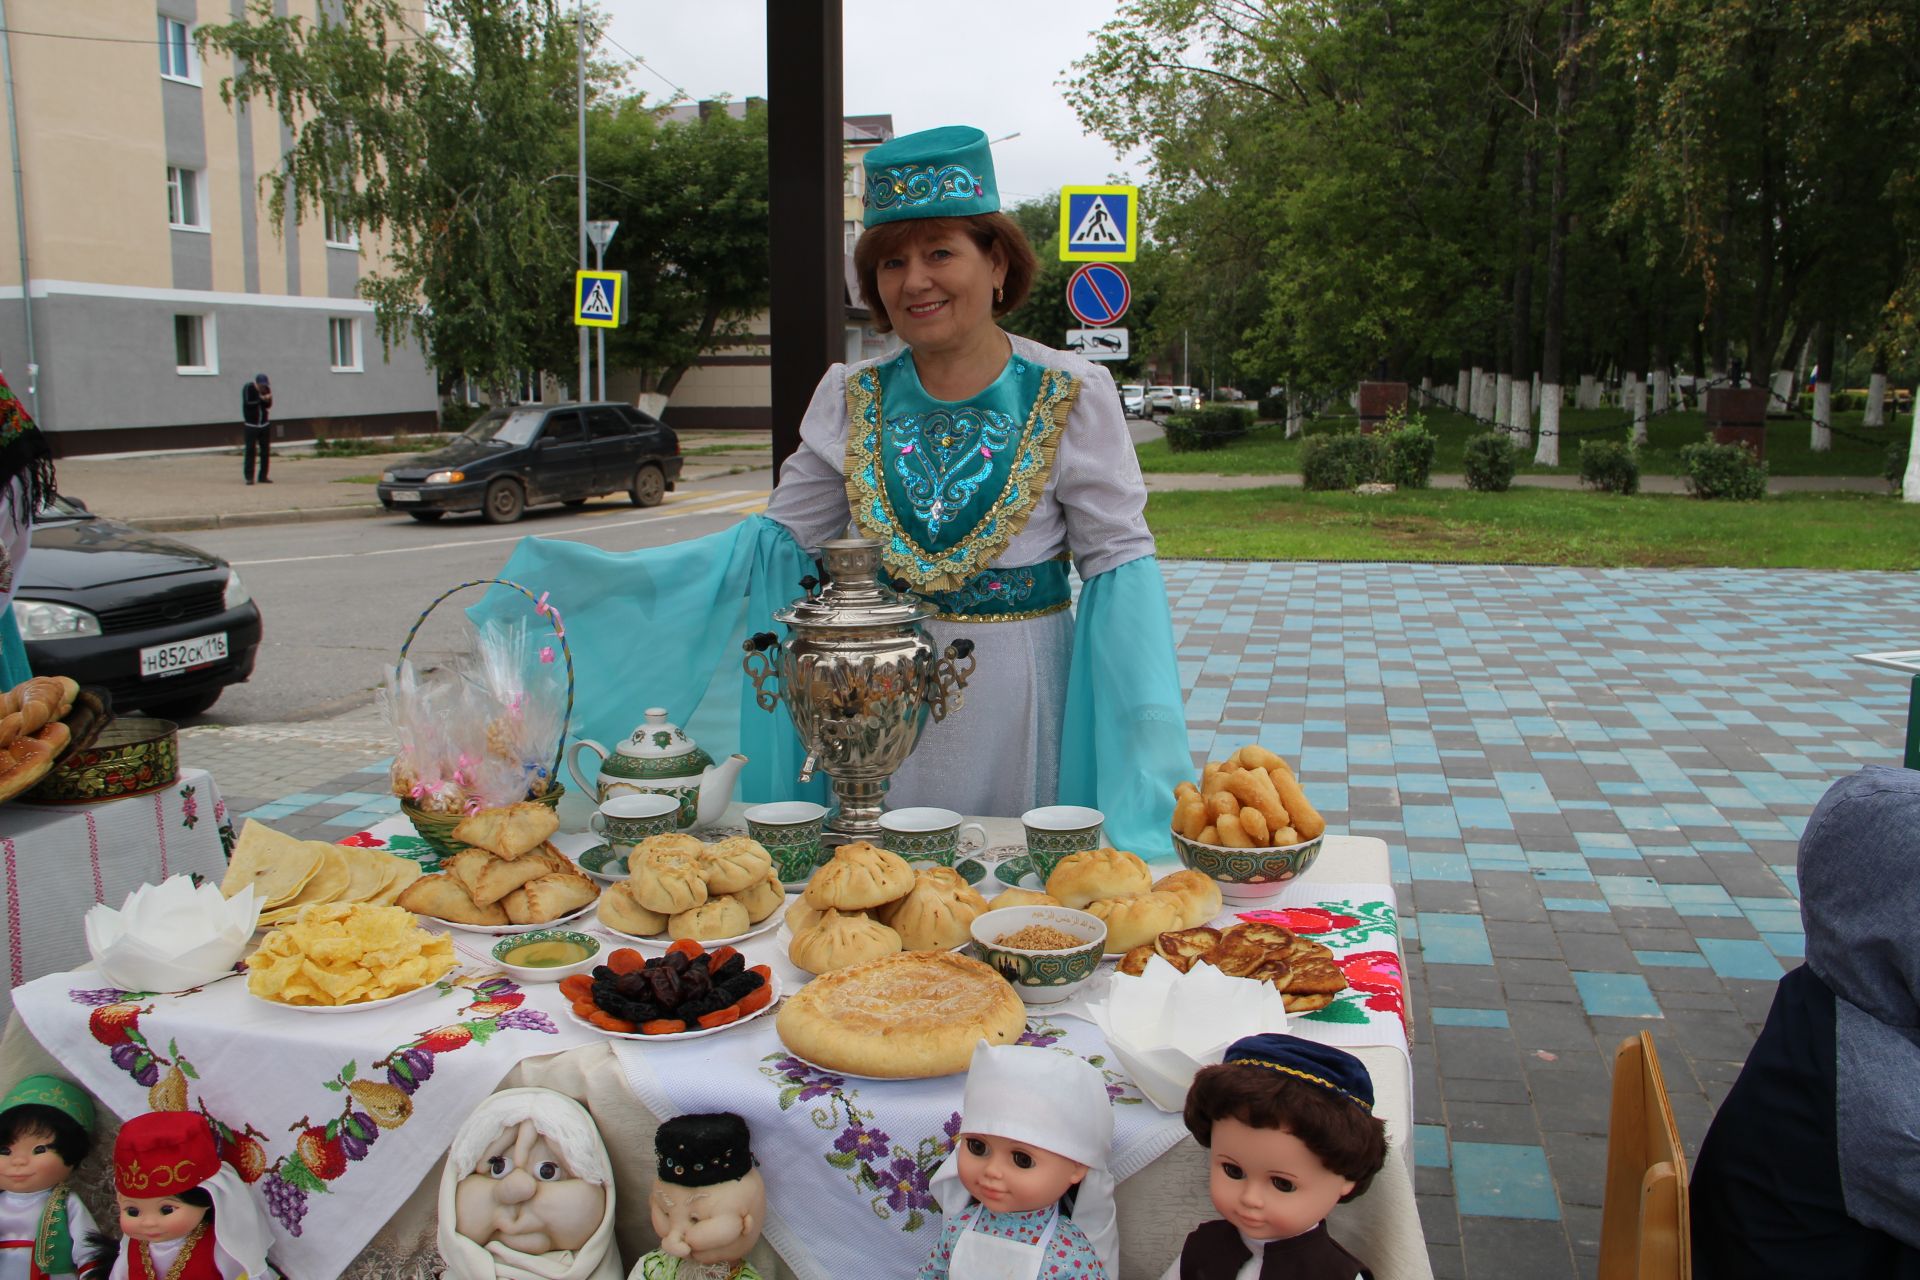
{"x": 984, "y": 464}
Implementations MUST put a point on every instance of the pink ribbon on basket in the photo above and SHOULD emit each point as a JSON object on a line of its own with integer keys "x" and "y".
{"x": 543, "y": 608}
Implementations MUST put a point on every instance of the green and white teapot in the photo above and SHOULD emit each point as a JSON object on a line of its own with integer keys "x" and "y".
{"x": 657, "y": 758}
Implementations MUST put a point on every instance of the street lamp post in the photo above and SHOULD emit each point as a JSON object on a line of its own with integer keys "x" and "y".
{"x": 601, "y": 233}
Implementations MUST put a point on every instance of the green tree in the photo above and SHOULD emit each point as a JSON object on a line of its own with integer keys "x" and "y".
{"x": 443, "y": 141}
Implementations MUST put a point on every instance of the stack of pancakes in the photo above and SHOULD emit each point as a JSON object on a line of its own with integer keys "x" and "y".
{"x": 1300, "y": 969}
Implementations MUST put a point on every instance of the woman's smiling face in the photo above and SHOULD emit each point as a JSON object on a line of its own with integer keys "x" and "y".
{"x": 938, "y": 288}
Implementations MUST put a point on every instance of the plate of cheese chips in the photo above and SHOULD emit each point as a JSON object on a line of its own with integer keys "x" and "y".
{"x": 289, "y": 874}
{"x": 336, "y": 956}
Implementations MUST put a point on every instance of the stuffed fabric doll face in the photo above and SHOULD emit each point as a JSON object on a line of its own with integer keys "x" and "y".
{"x": 715, "y": 1223}
{"x": 1267, "y": 1183}
{"x": 523, "y": 1194}
{"x": 161, "y": 1218}
{"x": 1014, "y": 1177}
{"x": 32, "y": 1162}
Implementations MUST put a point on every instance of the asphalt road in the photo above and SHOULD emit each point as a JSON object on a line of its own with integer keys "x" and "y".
{"x": 338, "y": 596}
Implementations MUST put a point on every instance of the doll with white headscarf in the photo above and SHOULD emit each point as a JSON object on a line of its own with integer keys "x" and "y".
{"x": 1026, "y": 1192}
{"x": 527, "y": 1193}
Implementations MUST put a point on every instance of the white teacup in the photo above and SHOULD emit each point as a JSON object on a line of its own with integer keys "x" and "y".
{"x": 928, "y": 835}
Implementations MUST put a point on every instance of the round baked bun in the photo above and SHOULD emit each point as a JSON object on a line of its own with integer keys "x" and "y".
{"x": 1199, "y": 895}
{"x": 763, "y": 897}
{"x": 937, "y": 913}
{"x": 620, "y": 912}
{"x": 905, "y": 1017}
{"x": 1093, "y": 874}
{"x": 860, "y": 877}
{"x": 734, "y": 864}
{"x": 1136, "y": 919}
{"x": 1023, "y": 898}
{"x": 721, "y": 917}
{"x": 667, "y": 881}
{"x": 840, "y": 942}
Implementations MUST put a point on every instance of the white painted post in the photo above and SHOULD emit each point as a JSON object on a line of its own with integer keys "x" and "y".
{"x": 1822, "y": 415}
{"x": 1910, "y": 482}
{"x": 1502, "y": 396}
{"x": 1536, "y": 396}
{"x": 1547, "y": 452}
{"x": 1584, "y": 397}
{"x": 1461, "y": 389}
{"x": 1638, "y": 400}
{"x": 1876, "y": 402}
{"x": 1781, "y": 388}
{"x": 1520, "y": 413}
{"x": 1662, "y": 391}
{"x": 1296, "y": 414}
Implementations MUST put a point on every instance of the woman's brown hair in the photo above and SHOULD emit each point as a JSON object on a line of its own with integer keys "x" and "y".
{"x": 986, "y": 230}
{"x": 1349, "y": 1141}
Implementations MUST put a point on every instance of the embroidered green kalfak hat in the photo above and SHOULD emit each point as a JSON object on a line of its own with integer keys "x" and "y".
{"x": 936, "y": 173}
{"x": 51, "y": 1091}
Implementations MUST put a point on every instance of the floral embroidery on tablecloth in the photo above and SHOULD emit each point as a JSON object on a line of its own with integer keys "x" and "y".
{"x": 189, "y": 807}
{"x": 324, "y": 1148}
{"x": 895, "y": 1174}
{"x": 412, "y": 848}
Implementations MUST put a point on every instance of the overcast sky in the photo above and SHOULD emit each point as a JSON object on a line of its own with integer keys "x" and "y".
{"x": 990, "y": 63}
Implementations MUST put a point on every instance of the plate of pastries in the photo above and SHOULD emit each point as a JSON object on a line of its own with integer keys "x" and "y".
{"x": 1119, "y": 888}
{"x": 509, "y": 879}
{"x": 680, "y": 888}
{"x": 867, "y": 902}
{"x": 1301, "y": 970}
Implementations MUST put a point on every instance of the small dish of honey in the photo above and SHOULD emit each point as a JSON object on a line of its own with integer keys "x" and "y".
{"x": 546, "y": 955}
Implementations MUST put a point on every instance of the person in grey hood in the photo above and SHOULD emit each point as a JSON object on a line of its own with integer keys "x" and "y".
{"x": 1812, "y": 1165}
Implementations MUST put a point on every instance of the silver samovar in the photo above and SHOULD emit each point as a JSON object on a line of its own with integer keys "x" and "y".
{"x": 858, "y": 675}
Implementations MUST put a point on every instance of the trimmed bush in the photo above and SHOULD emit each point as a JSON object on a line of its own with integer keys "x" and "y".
{"x": 1723, "y": 471}
{"x": 1609, "y": 466}
{"x": 1409, "y": 451}
{"x": 1207, "y": 427}
{"x": 1897, "y": 454}
{"x": 1341, "y": 461}
{"x": 1489, "y": 462}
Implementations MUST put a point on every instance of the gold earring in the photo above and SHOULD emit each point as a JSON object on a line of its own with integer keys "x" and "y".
{"x": 999, "y": 295}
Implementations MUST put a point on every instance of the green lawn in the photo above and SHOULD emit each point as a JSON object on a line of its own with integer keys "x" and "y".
{"x": 1539, "y": 526}
{"x": 1267, "y": 451}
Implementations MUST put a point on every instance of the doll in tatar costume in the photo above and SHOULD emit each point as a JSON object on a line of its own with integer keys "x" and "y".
{"x": 1026, "y": 1194}
{"x": 184, "y": 1213}
{"x": 709, "y": 1200}
{"x": 1290, "y": 1132}
{"x": 45, "y": 1125}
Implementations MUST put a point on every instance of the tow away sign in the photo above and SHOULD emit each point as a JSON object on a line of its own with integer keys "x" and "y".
{"x": 1098, "y": 344}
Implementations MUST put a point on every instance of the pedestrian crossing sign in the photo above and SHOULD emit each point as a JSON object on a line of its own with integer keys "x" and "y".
{"x": 600, "y": 299}
{"x": 1099, "y": 224}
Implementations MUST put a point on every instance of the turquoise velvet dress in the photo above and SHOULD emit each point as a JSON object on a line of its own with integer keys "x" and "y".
{"x": 977, "y": 505}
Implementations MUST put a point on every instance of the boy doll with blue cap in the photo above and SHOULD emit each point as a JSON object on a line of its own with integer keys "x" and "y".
{"x": 1290, "y": 1129}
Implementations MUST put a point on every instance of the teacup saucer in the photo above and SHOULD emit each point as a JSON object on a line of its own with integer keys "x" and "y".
{"x": 1017, "y": 872}
{"x": 972, "y": 870}
{"x": 603, "y": 864}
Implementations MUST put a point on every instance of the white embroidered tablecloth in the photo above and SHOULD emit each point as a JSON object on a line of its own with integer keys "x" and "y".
{"x": 335, "y": 1117}
{"x": 61, "y": 859}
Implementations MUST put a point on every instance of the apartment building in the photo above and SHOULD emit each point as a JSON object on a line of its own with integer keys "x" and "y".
{"x": 734, "y": 388}
{"x": 154, "y": 277}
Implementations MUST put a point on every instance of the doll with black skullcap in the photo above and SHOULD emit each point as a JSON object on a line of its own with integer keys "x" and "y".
{"x": 709, "y": 1201}
{"x": 1290, "y": 1132}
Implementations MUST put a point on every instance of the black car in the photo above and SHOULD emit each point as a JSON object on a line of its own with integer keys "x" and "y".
{"x": 512, "y": 459}
{"x": 163, "y": 627}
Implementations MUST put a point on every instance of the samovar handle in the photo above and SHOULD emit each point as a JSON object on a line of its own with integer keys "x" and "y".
{"x": 946, "y": 678}
{"x": 762, "y": 665}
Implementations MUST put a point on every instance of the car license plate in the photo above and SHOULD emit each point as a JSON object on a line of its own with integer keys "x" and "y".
{"x": 404, "y": 495}
{"x": 183, "y": 655}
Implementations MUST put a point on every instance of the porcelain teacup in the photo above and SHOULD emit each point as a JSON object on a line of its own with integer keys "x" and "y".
{"x": 625, "y": 820}
{"x": 1056, "y": 830}
{"x": 928, "y": 835}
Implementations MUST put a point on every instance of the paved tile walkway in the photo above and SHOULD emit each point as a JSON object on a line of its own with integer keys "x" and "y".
{"x": 1592, "y": 782}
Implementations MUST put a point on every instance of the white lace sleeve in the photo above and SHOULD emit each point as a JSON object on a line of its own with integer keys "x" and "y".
{"x": 1097, "y": 481}
{"x": 811, "y": 498}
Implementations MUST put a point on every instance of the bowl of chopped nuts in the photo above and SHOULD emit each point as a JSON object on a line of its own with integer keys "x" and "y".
{"x": 1045, "y": 952}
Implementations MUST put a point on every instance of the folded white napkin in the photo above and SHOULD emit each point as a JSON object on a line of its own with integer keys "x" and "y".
{"x": 1165, "y": 1025}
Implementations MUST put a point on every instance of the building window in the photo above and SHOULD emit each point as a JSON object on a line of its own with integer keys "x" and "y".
{"x": 850, "y": 234}
{"x": 176, "y": 52}
{"x": 341, "y": 234}
{"x": 186, "y": 210}
{"x": 193, "y": 344}
{"x": 527, "y": 387}
{"x": 343, "y": 345}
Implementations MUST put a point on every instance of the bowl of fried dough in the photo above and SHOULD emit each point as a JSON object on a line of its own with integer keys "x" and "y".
{"x": 1248, "y": 824}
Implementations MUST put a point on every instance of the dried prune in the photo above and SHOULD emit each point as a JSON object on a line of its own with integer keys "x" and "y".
{"x": 665, "y": 982}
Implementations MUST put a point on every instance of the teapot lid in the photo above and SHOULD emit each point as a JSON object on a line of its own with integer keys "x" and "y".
{"x": 855, "y": 597}
{"x": 657, "y": 739}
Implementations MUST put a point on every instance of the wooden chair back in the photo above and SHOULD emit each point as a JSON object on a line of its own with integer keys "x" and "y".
{"x": 1643, "y": 1226}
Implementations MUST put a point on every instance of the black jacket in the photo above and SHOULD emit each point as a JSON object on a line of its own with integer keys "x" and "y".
{"x": 254, "y": 404}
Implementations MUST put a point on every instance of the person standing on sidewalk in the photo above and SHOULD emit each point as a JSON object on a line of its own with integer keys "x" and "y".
{"x": 256, "y": 405}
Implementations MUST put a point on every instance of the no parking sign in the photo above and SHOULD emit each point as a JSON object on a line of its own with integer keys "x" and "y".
{"x": 1098, "y": 294}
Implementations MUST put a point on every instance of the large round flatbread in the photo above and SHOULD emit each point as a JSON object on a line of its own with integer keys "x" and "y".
{"x": 909, "y": 1016}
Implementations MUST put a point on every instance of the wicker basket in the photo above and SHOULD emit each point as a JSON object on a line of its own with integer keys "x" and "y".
{"x": 437, "y": 828}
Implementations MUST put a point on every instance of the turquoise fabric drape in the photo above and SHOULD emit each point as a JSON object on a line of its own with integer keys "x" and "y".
{"x": 1124, "y": 745}
{"x": 662, "y": 627}
{"x": 13, "y": 653}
